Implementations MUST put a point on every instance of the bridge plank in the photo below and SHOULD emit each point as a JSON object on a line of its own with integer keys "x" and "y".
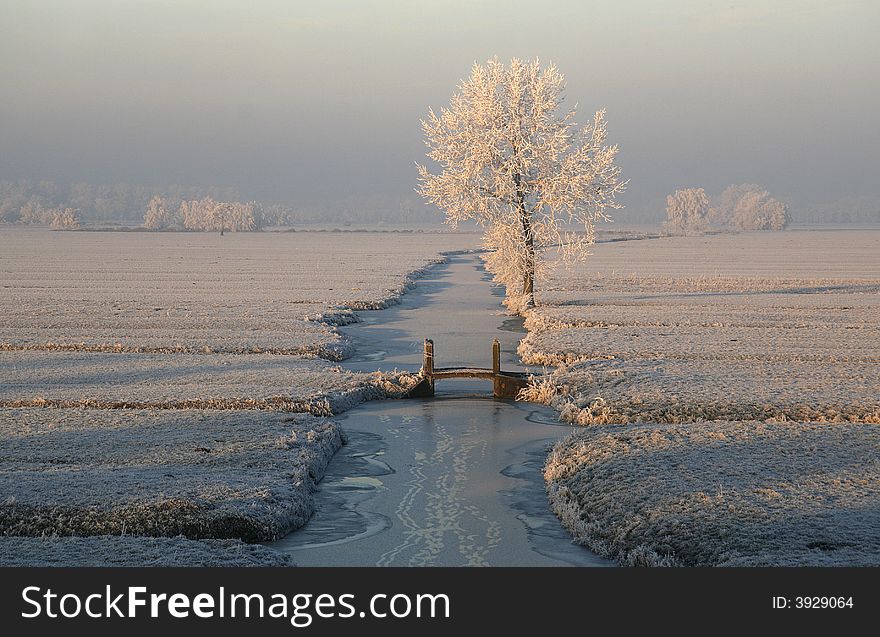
{"x": 463, "y": 372}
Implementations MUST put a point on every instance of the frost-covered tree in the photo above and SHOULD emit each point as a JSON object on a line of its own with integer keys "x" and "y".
{"x": 66, "y": 219}
{"x": 198, "y": 214}
{"x": 721, "y": 211}
{"x": 34, "y": 212}
{"x": 686, "y": 212}
{"x": 219, "y": 216}
{"x": 158, "y": 214}
{"x": 748, "y": 207}
{"x": 245, "y": 217}
{"x": 520, "y": 166}
{"x": 759, "y": 211}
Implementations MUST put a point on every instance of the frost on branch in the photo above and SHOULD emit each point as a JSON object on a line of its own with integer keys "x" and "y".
{"x": 522, "y": 168}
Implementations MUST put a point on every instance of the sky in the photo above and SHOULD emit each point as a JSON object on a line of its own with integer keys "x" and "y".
{"x": 310, "y": 103}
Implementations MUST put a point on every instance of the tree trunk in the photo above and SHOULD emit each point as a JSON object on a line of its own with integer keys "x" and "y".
{"x": 529, "y": 273}
{"x": 529, "y": 238}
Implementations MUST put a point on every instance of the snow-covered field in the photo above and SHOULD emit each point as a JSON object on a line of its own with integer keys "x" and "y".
{"x": 141, "y": 376}
{"x": 185, "y": 381}
{"x": 196, "y": 292}
{"x": 776, "y": 325}
{"x": 203, "y": 474}
{"x": 192, "y": 319}
{"x": 754, "y": 332}
{"x": 722, "y": 493}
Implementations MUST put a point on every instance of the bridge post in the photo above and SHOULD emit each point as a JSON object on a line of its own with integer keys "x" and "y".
{"x": 425, "y": 387}
{"x": 497, "y": 388}
{"x": 428, "y": 365}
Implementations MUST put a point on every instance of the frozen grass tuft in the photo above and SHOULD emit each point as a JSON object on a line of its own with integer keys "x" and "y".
{"x": 541, "y": 389}
{"x": 597, "y": 412}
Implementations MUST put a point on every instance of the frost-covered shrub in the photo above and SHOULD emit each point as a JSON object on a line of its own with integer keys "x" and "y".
{"x": 759, "y": 211}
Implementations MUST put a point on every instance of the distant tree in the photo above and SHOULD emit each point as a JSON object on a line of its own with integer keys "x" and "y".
{"x": 35, "y": 213}
{"x": 511, "y": 160}
{"x": 198, "y": 214}
{"x": 759, "y": 211}
{"x": 66, "y": 219}
{"x": 158, "y": 216}
{"x": 723, "y": 206}
{"x": 746, "y": 207}
{"x": 209, "y": 215}
{"x": 278, "y": 215}
{"x": 218, "y": 218}
{"x": 82, "y": 196}
{"x": 245, "y": 217}
{"x": 686, "y": 212}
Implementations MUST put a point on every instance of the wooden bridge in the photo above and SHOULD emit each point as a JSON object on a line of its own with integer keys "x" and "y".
{"x": 504, "y": 384}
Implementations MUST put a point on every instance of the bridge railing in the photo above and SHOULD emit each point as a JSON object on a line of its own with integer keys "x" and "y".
{"x": 504, "y": 384}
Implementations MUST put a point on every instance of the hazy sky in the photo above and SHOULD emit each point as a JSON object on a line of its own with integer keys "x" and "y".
{"x": 313, "y": 101}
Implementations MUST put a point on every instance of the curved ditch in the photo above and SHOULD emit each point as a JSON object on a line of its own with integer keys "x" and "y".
{"x": 449, "y": 481}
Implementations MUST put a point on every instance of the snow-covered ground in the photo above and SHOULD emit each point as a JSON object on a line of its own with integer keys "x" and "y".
{"x": 736, "y": 329}
{"x": 186, "y": 381}
{"x": 141, "y": 376}
{"x": 775, "y": 325}
{"x": 195, "y": 292}
{"x": 722, "y": 493}
{"x": 199, "y": 473}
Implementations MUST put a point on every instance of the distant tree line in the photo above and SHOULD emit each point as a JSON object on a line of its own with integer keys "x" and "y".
{"x": 742, "y": 208}
{"x": 40, "y": 202}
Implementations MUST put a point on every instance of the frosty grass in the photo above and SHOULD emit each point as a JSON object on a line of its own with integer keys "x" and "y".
{"x": 691, "y": 361}
{"x": 147, "y": 382}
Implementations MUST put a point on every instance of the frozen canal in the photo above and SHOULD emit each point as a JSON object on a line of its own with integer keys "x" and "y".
{"x": 450, "y": 481}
